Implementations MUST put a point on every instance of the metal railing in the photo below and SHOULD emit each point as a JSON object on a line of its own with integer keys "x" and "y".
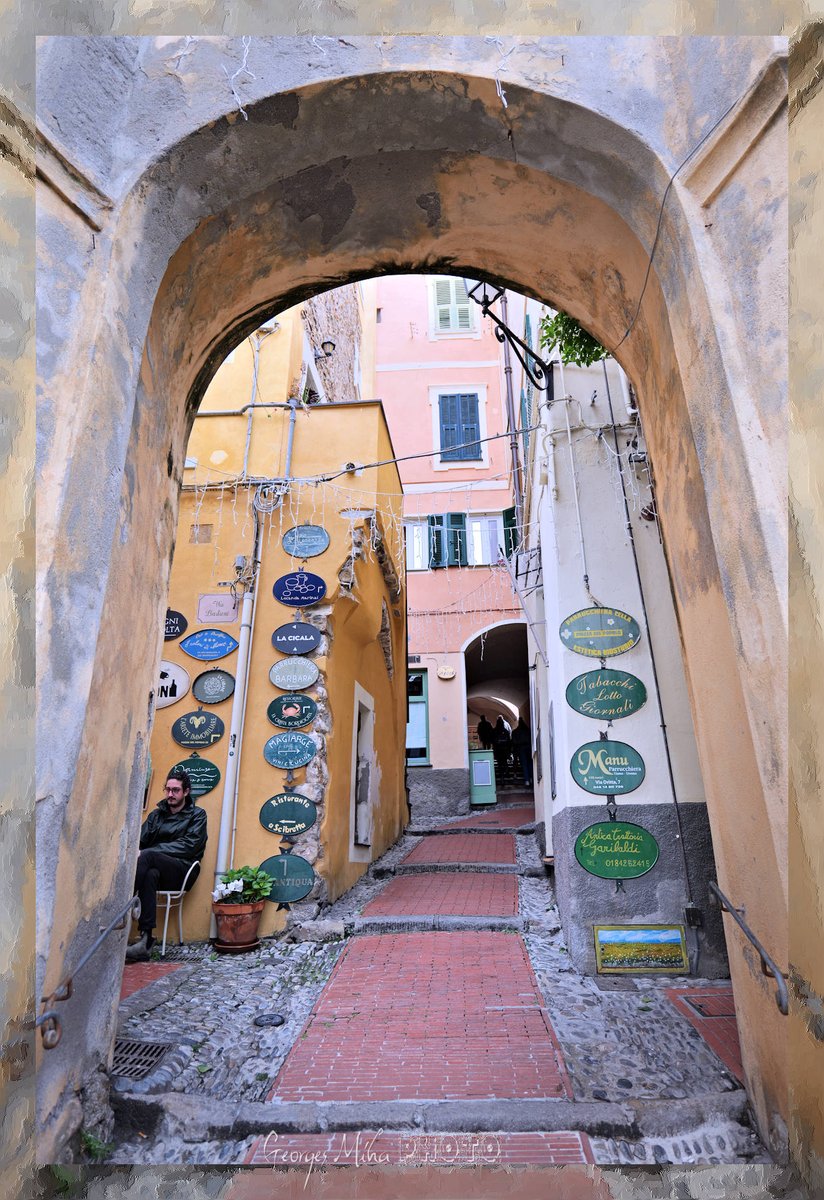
{"x": 48, "y": 1022}
{"x": 768, "y": 964}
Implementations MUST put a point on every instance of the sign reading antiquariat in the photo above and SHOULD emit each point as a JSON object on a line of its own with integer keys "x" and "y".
{"x": 292, "y": 877}
{"x": 600, "y": 632}
{"x": 607, "y": 768}
{"x": 198, "y": 729}
{"x": 606, "y": 695}
{"x": 288, "y": 814}
{"x": 289, "y": 750}
{"x": 616, "y": 850}
{"x": 299, "y": 637}
{"x": 292, "y": 711}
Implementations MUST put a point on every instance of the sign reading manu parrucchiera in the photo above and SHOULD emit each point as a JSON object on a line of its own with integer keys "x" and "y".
{"x": 607, "y": 768}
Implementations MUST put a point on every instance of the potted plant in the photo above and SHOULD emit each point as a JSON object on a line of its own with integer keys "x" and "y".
{"x": 237, "y": 903}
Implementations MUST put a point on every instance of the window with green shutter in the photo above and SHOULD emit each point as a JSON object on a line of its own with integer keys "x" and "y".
{"x": 510, "y": 532}
{"x": 452, "y": 307}
{"x": 447, "y": 540}
{"x": 460, "y": 426}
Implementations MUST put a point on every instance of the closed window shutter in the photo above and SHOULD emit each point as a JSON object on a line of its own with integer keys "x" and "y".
{"x": 450, "y": 426}
{"x": 470, "y": 426}
{"x": 463, "y": 307}
{"x": 443, "y": 304}
{"x": 437, "y": 541}
{"x": 453, "y": 308}
{"x": 456, "y": 538}
{"x": 510, "y": 532}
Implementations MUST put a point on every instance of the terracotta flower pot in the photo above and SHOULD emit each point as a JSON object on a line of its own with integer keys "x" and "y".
{"x": 237, "y": 926}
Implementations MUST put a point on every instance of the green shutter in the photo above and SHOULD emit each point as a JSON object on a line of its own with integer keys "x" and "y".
{"x": 510, "y": 532}
{"x": 456, "y": 539}
{"x": 437, "y": 541}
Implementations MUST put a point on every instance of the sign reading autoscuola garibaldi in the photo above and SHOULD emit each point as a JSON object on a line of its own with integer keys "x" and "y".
{"x": 299, "y": 637}
{"x": 209, "y": 644}
{"x": 292, "y": 877}
{"x": 172, "y": 685}
{"x": 607, "y": 768}
{"x": 198, "y": 729}
{"x": 289, "y": 750}
{"x": 305, "y": 541}
{"x": 606, "y": 695}
{"x": 176, "y": 625}
{"x": 600, "y": 632}
{"x": 213, "y": 686}
{"x": 292, "y": 711}
{"x": 288, "y": 813}
{"x": 204, "y": 775}
{"x": 292, "y": 674}
{"x": 616, "y": 850}
{"x": 299, "y": 589}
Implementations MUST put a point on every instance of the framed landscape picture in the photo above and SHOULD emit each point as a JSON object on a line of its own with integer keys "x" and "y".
{"x": 622, "y": 948}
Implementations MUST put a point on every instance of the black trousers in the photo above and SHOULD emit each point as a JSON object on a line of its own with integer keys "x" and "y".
{"x": 155, "y": 870}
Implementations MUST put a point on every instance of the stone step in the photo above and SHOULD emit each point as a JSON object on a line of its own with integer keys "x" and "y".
{"x": 489, "y": 868}
{"x": 441, "y": 922}
{"x": 416, "y": 831}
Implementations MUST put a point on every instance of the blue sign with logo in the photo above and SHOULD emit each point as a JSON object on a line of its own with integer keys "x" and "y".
{"x": 299, "y": 589}
{"x": 208, "y": 644}
{"x": 305, "y": 541}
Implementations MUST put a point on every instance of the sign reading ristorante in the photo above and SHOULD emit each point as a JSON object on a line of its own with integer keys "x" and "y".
{"x": 288, "y": 813}
{"x": 600, "y": 632}
{"x": 606, "y": 695}
{"x": 616, "y": 850}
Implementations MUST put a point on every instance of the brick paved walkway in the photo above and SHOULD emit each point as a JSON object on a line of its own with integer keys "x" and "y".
{"x": 498, "y": 818}
{"x": 415, "y": 1150}
{"x": 138, "y": 975}
{"x": 462, "y": 893}
{"x": 712, "y": 1013}
{"x": 442, "y": 1016}
{"x": 464, "y": 848}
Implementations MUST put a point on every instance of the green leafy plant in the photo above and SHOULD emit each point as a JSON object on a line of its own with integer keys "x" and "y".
{"x": 202, "y": 1068}
{"x": 94, "y": 1146}
{"x": 243, "y": 885}
{"x": 574, "y": 344}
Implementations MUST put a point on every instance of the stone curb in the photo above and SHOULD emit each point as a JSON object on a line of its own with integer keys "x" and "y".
{"x": 446, "y": 830}
{"x": 485, "y": 868}
{"x": 436, "y": 922}
{"x": 196, "y": 1119}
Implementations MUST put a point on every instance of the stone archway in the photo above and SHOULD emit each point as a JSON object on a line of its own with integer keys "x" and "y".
{"x": 155, "y": 265}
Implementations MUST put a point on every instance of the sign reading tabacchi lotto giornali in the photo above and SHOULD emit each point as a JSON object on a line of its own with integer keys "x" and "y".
{"x": 288, "y": 813}
{"x": 292, "y": 877}
{"x": 294, "y": 674}
{"x": 198, "y": 729}
{"x": 616, "y": 850}
{"x": 600, "y": 632}
{"x": 299, "y": 589}
{"x": 289, "y": 750}
{"x": 607, "y": 768}
{"x": 606, "y": 695}
{"x": 305, "y": 541}
{"x": 298, "y": 637}
{"x": 292, "y": 710}
{"x": 203, "y": 775}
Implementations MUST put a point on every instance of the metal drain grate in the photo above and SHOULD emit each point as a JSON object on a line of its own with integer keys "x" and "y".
{"x": 136, "y": 1060}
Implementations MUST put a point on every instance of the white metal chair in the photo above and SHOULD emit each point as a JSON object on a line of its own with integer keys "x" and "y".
{"x": 176, "y": 899}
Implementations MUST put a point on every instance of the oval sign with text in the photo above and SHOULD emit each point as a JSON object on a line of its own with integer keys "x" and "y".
{"x": 289, "y": 750}
{"x": 212, "y": 687}
{"x": 607, "y": 768}
{"x": 288, "y": 813}
{"x": 198, "y": 729}
{"x": 616, "y": 850}
{"x": 292, "y": 711}
{"x": 208, "y": 644}
{"x": 203, "y": 775}
{"x": 606, "y": 695}
{"x": 600, "y": 632}
{"x": 305, "y": 541}
{"x": 176, "y": 625}
{"x": 297, "y": 638}
{"x": 299, "y": 589}
{"x": 172, "y": 685}
{"x": 292, "y": 877}
{"x": 293, "y": 674}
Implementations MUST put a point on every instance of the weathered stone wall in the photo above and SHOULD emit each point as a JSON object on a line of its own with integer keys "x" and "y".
{"x": 336, "y": 315}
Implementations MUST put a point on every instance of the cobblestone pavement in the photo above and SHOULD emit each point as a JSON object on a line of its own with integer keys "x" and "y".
{"x": 438, "y": 1015}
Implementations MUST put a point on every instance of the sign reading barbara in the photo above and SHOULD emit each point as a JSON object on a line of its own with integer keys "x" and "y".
{"x": 292, "y": 877}
{"x": 198, "y": 729}
{"x": 616, "y": 850}
{"x": 289, "y": 750}
{"x": 298, "y": 638}
{"x": 172, "y": 686}
{"x": 292, "y": 710}
{"x": 288, "y": 813}
{"x": 305, "y": 541}
{"x": 299, "y": 589}
{"x": 606, "y": 695}
{"x": 208, "y": 644}
{"x": 607, "y": 768}
{"x": 213, "y": 686}
{"x": 600, "y": 632}
{"x": 293, "y": 674}
{"x": 176, "y": 625}
{"x": 204, "y": 775}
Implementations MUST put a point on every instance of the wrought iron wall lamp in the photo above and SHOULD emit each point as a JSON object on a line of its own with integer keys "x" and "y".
{"x": 538, "y": 371}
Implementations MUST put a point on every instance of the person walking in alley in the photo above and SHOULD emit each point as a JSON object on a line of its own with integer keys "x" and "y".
{"x": 522, "y": 745}
{"x": 501, "y": 747}
{"x": 172, "y": 838}
{"x": 486, "y": 734}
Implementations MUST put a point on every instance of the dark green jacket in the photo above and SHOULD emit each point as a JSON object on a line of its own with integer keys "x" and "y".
{"x": 183, "y": 834}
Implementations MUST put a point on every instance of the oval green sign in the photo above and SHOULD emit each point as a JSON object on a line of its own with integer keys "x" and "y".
{"x": 292, "y": 710}
{"x": 607, "y": 768}
{"x": 606, "y": 695}
{"x": 204, "y": 775}
{"x": 292, "y": 877}
{"x": 616, "y": 850}
{"x": 600, "y": 632}
{"x": 288, "y": 813}
{"x": 289, "y": 750}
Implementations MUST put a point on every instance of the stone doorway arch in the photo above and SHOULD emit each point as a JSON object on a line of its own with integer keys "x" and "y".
{"x": 176, "y": 219}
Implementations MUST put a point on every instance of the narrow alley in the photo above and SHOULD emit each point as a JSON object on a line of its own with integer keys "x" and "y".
{"x": 433, "y": 1018}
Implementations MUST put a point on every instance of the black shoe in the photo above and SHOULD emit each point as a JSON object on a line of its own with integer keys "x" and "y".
{"x": 139, "y": 950}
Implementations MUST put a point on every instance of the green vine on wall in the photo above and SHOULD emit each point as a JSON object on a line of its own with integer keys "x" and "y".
{"x": 574, "y": 344}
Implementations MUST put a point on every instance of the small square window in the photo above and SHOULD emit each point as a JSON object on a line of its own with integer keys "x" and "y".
{"x": 200, "y": 534}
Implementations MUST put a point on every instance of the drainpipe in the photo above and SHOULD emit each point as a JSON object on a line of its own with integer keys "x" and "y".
{"x": 517, "y": 485}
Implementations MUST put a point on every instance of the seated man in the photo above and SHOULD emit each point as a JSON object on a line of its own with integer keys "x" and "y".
{"x": 172, "y": 838}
